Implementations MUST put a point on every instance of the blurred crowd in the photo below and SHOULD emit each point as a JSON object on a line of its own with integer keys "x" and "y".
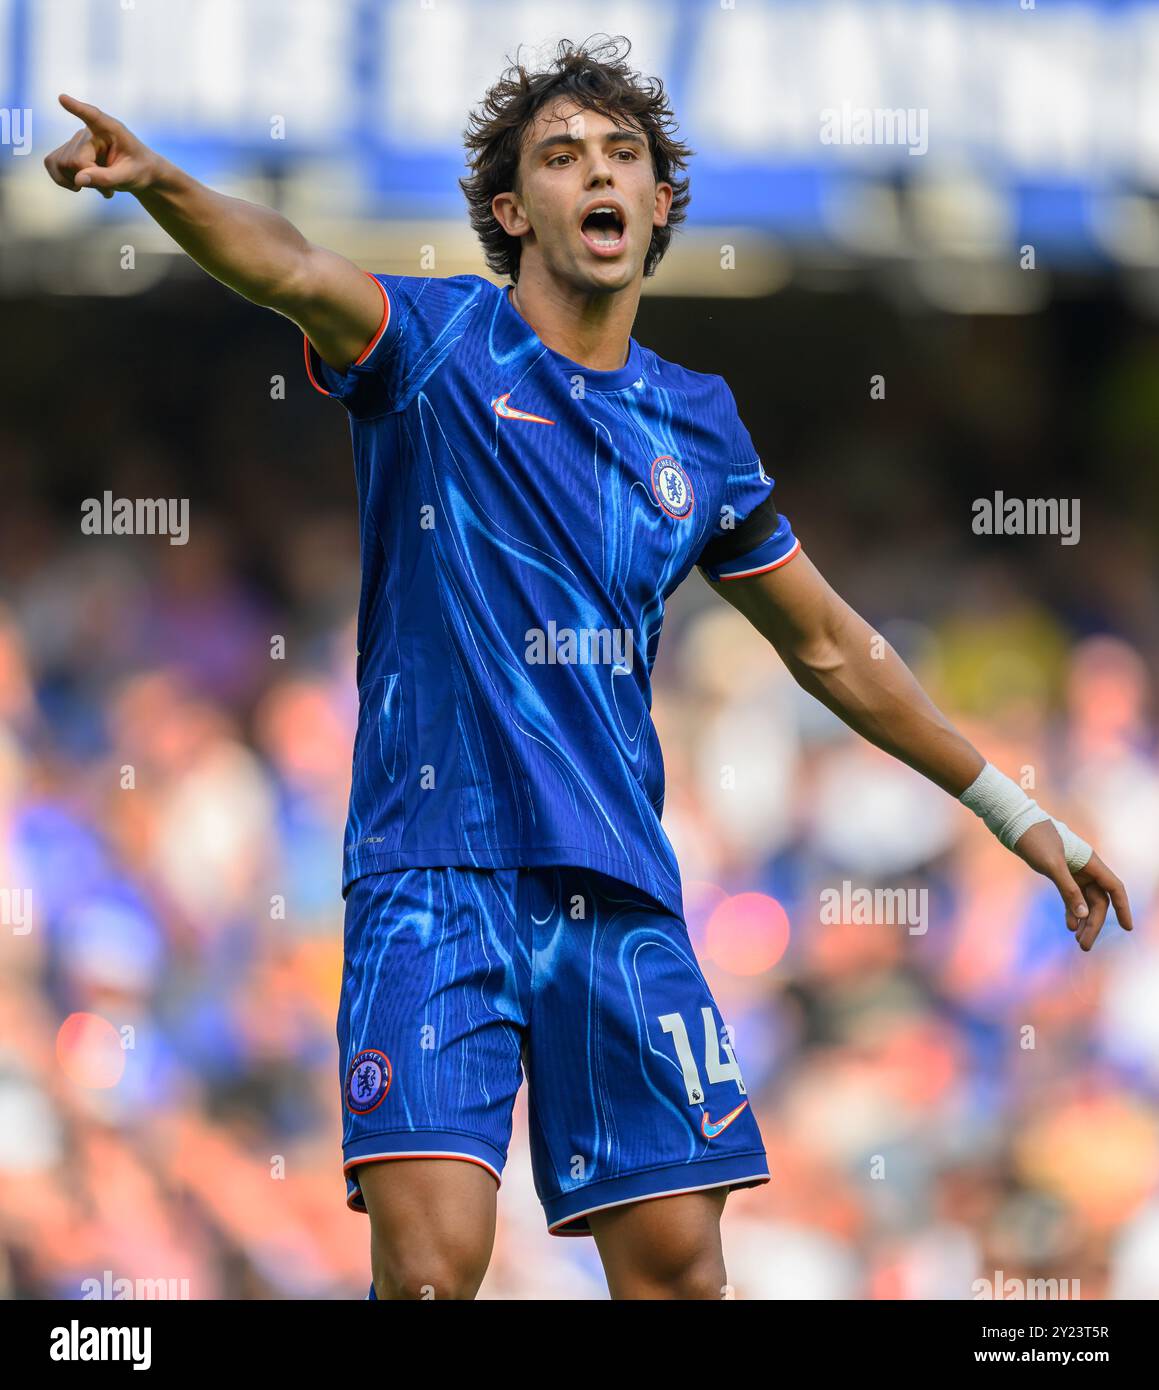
{"x": 175, "y": 735}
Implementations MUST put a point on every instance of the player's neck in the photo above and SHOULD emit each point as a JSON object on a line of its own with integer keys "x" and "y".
{"x": 591, "y": 329}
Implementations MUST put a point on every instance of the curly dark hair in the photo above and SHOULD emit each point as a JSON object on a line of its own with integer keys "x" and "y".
{"x": 596, "y": 76}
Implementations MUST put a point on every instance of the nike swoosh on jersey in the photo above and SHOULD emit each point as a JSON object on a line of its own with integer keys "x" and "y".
{"x": 509, "y": 412}
{"x": 711, "y": 1128}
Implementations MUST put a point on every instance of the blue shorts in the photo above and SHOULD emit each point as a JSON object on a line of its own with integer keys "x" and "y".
{"x": 455, "y": 981}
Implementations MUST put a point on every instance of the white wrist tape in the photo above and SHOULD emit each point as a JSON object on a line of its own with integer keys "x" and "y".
{"x": 1009, "y": 813}
{"x": 1076, "y": 849}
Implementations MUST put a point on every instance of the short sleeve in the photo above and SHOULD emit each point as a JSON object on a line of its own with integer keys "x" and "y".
{"x": 422, "y": 320}
{"x": 749, "y": 536}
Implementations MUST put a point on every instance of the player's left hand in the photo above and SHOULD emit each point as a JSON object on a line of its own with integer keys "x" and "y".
{"x": 1086, "y": 894}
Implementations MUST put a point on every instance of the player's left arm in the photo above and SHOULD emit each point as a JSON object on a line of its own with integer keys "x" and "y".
{"x": 836, "y": 656}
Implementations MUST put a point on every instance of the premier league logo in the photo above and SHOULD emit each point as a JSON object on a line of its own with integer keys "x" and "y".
{"x": 368, "y": 1081}
{"x": 671, "y": 487}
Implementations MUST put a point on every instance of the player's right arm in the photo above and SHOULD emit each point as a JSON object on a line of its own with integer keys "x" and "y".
{"x": 252, "y": 249}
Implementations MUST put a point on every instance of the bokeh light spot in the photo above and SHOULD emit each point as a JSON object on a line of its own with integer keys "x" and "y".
{"x": 748, "y": 934}
{"x": 89, "y": 1051}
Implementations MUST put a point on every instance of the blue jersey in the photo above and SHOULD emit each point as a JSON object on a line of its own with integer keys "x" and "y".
{"x": 523, "y": 520}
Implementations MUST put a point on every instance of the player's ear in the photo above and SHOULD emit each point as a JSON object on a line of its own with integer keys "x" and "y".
{"x": 663, "y": 203}
{"x": 508, "y": 211}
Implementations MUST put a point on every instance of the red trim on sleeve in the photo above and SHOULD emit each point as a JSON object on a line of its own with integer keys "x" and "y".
{"x": 361, "y": 358}
{"x": 374, "y": 342}
{"x": 763, "y": 569}
{"x": 309, "y": 368}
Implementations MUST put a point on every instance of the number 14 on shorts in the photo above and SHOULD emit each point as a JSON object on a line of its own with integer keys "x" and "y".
{"x": 716, "y": 1068}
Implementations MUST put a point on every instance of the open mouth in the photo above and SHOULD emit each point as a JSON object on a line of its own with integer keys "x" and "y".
{"x": 603, "y": 230}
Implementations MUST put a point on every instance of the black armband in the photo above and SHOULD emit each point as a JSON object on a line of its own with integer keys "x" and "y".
{"x": 746, "y": 535}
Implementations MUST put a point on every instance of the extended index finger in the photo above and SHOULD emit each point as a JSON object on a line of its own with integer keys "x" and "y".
{"x": 93, "y": 116}
{"x": 1113, "y": 886}
{"x": 1122, "y": 906}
